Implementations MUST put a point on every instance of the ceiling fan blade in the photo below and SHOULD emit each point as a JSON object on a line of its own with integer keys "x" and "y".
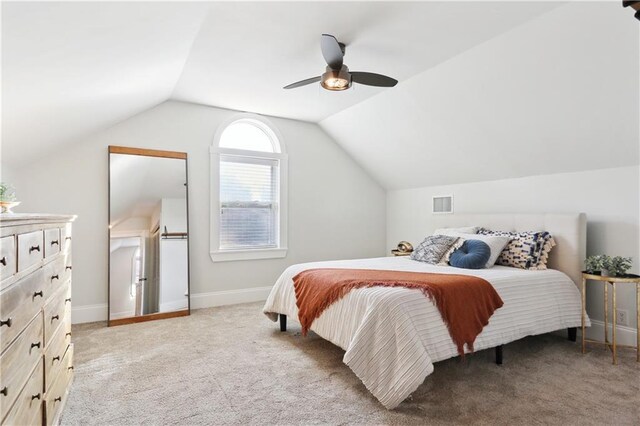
{"x": 302, "y": 82}
{"x": 373, "y": 79}
{"x": 331, "y": 51}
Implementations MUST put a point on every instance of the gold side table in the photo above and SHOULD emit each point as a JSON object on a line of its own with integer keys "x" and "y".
{"x": 611, "y": 281}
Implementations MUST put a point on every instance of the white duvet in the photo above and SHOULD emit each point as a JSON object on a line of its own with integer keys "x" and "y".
{"x": 392, "y": 336}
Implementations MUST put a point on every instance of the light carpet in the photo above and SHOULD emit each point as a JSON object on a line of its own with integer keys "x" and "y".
{"x": 231, "y": 365}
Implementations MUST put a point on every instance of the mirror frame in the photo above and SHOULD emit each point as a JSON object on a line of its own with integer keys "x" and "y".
{"x": 146, "y": 153}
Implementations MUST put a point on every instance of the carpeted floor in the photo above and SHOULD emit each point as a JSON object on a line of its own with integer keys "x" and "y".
{"x": 231, "y": 365}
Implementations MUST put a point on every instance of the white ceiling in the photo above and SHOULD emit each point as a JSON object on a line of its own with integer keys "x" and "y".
{"x": 246, "y": 52}
{"x": 70, "y": 69}
{"x": 557, "y": 94}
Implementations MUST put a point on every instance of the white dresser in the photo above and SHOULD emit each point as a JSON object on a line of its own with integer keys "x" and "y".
{"x": 36, "y": 354}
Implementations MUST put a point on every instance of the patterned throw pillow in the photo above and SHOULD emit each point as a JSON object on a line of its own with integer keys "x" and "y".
{"x": 526, "y": 250}
{"x": 432, "y": 248}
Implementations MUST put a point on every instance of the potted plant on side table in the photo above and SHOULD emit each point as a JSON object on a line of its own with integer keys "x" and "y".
{"x": 608, "y": 266}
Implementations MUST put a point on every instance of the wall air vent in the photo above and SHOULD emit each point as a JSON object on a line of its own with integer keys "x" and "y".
{"x": 442, "y": 204}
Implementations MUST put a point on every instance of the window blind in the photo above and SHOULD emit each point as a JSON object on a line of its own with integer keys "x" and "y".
{"x": 248, "y": 202}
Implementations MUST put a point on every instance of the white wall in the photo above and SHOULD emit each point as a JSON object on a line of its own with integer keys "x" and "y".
{"x": 609, "y": 197}
{"x": 335, "y": 209}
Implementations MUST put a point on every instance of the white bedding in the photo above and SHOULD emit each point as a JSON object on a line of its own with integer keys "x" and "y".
{"x": 392, "y": 336}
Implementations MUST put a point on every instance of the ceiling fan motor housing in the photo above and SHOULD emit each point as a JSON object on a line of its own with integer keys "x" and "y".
{"x": 336, "y": 79}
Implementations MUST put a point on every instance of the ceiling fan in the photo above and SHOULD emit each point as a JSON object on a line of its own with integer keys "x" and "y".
{"x": 337, "y": 75}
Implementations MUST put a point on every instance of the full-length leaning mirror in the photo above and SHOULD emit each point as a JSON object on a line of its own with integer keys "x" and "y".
{"x": 148, "y": 235}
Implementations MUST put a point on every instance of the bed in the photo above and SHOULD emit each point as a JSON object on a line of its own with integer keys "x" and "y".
{"x": 393, "y": 336}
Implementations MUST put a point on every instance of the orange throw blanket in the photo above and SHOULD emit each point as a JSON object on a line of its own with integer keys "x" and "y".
{"x": 465, "y": 302}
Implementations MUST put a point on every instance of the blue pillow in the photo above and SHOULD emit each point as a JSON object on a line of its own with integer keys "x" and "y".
{"x": 473, "y": 254}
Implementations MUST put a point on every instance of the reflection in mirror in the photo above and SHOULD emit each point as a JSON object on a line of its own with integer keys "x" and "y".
{"x": 148, "y": 235}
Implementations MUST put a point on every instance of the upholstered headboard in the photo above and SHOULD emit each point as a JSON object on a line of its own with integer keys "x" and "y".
{"x": 569, "y": 231}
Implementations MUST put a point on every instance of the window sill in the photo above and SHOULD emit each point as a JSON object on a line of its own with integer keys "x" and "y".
{"x": 253, "y": 254}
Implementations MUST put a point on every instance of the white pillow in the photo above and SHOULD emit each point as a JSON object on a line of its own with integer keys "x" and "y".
{"x": 495, "y": 243}
{"x": 463, "y": 230}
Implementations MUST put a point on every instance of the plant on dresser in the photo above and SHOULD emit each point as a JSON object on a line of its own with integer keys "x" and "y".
{"x": 36, "y": 354}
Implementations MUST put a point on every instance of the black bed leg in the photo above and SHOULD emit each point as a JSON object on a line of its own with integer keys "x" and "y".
{"x": 283, "y": 322}
{"x": 573, "y": 333}
{"x": 499, "y": 355}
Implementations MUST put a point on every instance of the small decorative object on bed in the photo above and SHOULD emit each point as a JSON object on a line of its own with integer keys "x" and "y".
{"x": 526, "y": 250}
{"x": 473, "y": 254}
{"x": 616, "y": 266}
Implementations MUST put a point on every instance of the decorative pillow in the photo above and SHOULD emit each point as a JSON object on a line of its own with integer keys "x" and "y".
{"x": 496, "y": 243}
{"x": 463, "y": 230}
{"x": 444, "y": 261}
{"x": 473, "y": 254}
{"x": 432, "y": 248}
{"x": 526, "y": 250}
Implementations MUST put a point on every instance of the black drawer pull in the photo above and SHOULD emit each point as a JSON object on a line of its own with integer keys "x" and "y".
{"x": 55, "y": 358}
{"x": 4, "y": 260}
{"x": 38, "y": 293}
{"x": 55, "y": 277}
{"x": 35, "y": 345}
{"x": 36, "y": 396}
{"x": 68, "y": 334}
{"x": 58, "y": 399}
{"x": 34, "y": 248}
{"x": 55, "y": 317}
{"x": 68, "y": 267}
{"x": 68, "y": 299}
{"x": 67, "y": 238}
{"x": 55, "y": 242}
{"x": 4, "y": 391}
{"x": 70, "y": 368}
{"x": 6, "y": 322}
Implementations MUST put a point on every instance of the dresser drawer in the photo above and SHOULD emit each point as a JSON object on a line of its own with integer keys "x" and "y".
{"x": 56, "y": 396}
{"x": 55, "y": 312}
{"x": 54, "y": 355}
{"x": 65, "y": 238}
{"x": 27, "y": 410}
{"x": 8, "y": 265}
{"x": 51, "y": 242}
{"x": 54, "y": 275}
{"x": 30, "y": 249}
{"x": 19, "y": 303}
{"x": 18, "y": 361}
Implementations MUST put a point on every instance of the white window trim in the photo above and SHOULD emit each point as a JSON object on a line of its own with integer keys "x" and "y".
{"x": 226, "y": 255}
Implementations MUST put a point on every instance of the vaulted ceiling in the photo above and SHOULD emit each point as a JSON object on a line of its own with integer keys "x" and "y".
{"x": 71, "y": 69}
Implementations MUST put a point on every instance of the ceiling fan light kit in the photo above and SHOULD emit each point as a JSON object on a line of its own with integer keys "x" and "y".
{"x": 336, "y": 80}
{"x": 337, "y": 76}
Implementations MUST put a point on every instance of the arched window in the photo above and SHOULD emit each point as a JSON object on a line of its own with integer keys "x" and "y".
{"x": 249, "y": 191}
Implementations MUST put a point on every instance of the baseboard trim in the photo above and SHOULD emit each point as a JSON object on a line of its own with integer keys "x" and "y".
{"x": 624, "y": 335}
{"x": 229, "y": 297}
{"x": 88, "y": 313}
{"x": 94, "y": 313}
